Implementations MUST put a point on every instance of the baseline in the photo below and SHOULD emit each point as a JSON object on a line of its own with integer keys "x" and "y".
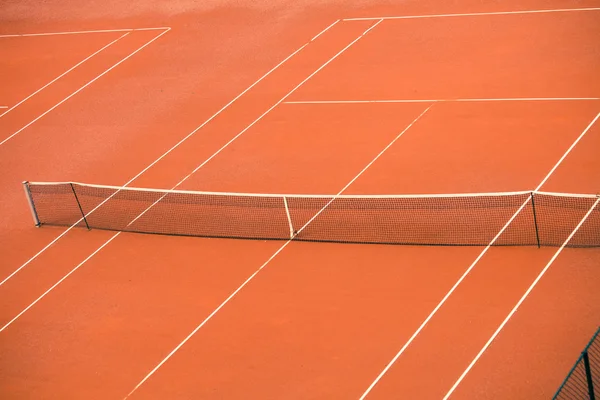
{"x": 476, "y": 14}
{"x": 83, "y": 32}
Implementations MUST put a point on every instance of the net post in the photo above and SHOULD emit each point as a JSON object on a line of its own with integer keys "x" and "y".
{"x": 79, "y": 205}
{"x": 535, "y": 223}
{"x": 34, "y": 214}
{"x": 289, "y": 218}
{"x": 588, "y": 374}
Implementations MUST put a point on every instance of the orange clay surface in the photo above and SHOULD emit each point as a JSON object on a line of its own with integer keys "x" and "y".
{"x": 319, "y": 321}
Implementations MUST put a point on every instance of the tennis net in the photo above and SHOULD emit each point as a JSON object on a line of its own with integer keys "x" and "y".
{"x": 508, "y": 219}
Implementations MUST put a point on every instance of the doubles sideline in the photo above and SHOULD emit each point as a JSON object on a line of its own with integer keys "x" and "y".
{"x": 470, "y": 268}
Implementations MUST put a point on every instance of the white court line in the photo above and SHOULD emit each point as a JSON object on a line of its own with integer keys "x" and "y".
{"x": 475, "y": 14}
{"x": 3, "y": 106}
{"x": 209, "y": 317}
{"x": 472, "y": 100}
{"x": 99, "y": 205}
{"x": 307, "y": 196}
{"x": 521, "y": 300}
{"x": 264, "y": 264}
{"x": 317, "y": 196}
{"x": 324, "y": 30}
{"x": 163, "y": 156}
{"x": 587, "y": 128}
{"x": 145, "y": 169}
{"x": 479, "y": 257}
{"x": 363, "y": 170}
{"x": 15, "y": 35}
{"x": 63, "y": 74}
{"x": 236, "y": 136}
{"x": 58, "y": 283}
{"x": 84, "y": 86}
{"x": 259, "y": 118}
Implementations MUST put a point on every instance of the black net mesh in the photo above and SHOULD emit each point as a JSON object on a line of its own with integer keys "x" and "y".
{"x": 472, "y": 220}
{"x": 509, "y": 219}
{"x": 583, "y": 382}
{"x": 594, "y": 358}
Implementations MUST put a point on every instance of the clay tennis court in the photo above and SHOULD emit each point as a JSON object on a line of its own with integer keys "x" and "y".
{"x": 330, "y": 98}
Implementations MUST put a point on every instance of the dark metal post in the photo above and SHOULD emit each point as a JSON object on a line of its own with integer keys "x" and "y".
{"x": 537, "y": 233}
{"x": 36, "y": 219}
{"x": 588, "y": 374}
{"x": 79, "y": 205}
